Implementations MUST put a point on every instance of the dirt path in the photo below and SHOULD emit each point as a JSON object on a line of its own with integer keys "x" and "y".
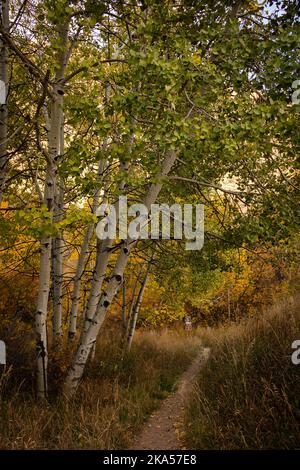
{"x": 160, "y": 431}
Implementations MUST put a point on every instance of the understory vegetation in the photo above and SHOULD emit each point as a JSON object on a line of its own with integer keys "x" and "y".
{"x": 113, "y": 402}
{"x": 248, "y": 393}
{"x": 149, "y": 205}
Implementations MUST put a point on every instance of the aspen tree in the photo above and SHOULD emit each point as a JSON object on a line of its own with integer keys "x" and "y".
{"x": 54, "y": 139}
{"x": 57, "y": 252}
{"x": 84, "y": 249}
{"x": 132, "y": 303}
{"x": 137, "y": 307}
{"x": 89, "y": 336}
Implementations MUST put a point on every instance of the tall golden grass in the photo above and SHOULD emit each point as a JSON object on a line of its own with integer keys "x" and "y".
{"x": 115, "y": 398}
{"x": 248, "y": 394}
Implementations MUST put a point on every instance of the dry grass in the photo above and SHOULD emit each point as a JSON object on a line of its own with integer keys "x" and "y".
{"x": 248, "y": 394}
{"x": 113, "y": 401}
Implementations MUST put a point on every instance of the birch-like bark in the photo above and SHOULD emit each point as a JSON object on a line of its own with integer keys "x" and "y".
{"x": 45, "y": 256}
{"x": 84, "y": 251}
{"x": 102, "y": 259}
{"x": 137, "y": 308}
{"x": 89, "y": 337}
{"x": 132, "y": 303}
{"x": 57, "y": 251}
{"x": 4, "y": 92}
{"x": 58, "y": 242}
{"x": 86, "y": 242}
{"x": 103, "y": 255}
{"x": 97, "y": 281}
{"x": 54, "y": 137}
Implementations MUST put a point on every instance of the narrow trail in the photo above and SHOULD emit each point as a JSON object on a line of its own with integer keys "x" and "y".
{"x": 159, "y": 432}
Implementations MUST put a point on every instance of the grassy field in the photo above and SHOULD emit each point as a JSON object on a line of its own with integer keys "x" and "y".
{"x": 113, "y": 401}
{"x": 248, "y": 394}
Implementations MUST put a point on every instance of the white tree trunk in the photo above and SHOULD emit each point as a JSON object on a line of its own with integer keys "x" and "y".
{"x": 102, "y": 258}
{"x": 3, "y": 106}
{"x": 89, "y": 337}
{"x": 54, "y": 138}
{"x": 132, "y": 303}
{"x": 85, "y": 244}
{"x": 137, "y": 308}
{"x": 45, "y": 264}
{"x": 41, "y": 317}
{"x": 84, "y": 250}
{"x": 57, "y": 252}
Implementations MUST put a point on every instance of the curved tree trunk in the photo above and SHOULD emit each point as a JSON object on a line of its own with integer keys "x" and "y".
{"x": 89, "y": 337}
{"x": 102, "y": 259}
